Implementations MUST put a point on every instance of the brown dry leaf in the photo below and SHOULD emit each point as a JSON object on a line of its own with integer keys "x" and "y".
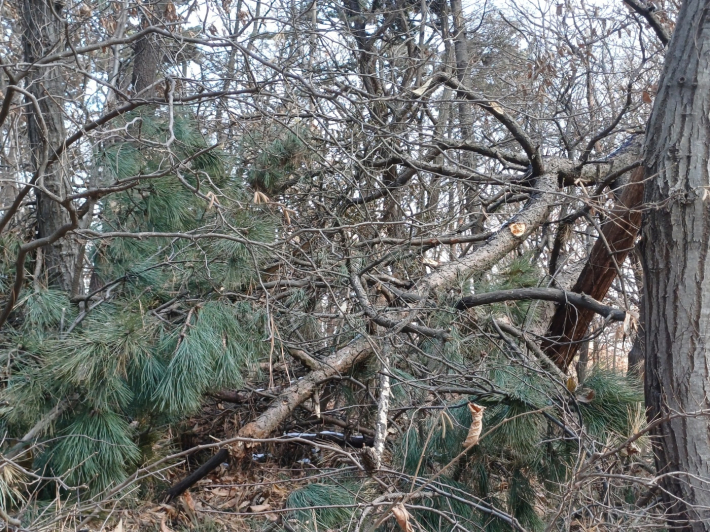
{"x": 172, "y": 511}
{"x": 402, "y": 516}
{"x": 189, "y": 501}
{"x": 230, "y": 503}
{"x": 586, "y": 395}
{"x": 171, "y": 12}
{"x": 278, "y": 490}
{"x": 260, "y": 508}
{"x": 646, "y": 97}
{"x": 119, "y": 526}
{"x": 108, "y": 24}
{"x": 518, "y": 229}
{"x": 632, "y": 449}
{"x": 212, "y": 198}
{"x": 163, "y": 526}
{"x": 474, "y": 431}
{"x": 571, "y": 384}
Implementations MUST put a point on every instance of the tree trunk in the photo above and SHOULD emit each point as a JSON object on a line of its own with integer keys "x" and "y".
{"x": 43, "y": 33}
{"x": 677, "y": 270}
{"x": 148, "y": 50}
{"x": 569, "y": 325}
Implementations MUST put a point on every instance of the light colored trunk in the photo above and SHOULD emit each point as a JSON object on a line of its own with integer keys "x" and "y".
{"x": 383, "y": 407}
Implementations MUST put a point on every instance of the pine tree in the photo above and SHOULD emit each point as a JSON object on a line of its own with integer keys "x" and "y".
{"x": 162, "y": 331}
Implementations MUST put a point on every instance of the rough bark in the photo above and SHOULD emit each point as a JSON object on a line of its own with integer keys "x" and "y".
{"x": 675, "y": 242}
{"x": 636, "y": 357}
{"x": 569, "y": 324}
{"x": 43, "y": 33}
{"x": 148, "y": 50}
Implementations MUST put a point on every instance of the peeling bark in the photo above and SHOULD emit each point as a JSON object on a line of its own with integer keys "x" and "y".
{"x": 383, "y": 408}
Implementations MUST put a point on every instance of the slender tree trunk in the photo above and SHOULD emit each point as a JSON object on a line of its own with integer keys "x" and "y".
{"x": 43, "y": 33}
{"x": 636, "y": 357}
{"x": 677, "y": 270}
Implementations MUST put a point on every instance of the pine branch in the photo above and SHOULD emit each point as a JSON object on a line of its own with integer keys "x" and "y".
{"x": 41, "y": 426}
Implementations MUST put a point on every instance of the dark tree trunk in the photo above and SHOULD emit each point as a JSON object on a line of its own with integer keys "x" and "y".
{"x": 569, "y": 325}
{"x": 43, "y": 33}
{"x": 677, "y": 270}
{"x": 148, "y": 51}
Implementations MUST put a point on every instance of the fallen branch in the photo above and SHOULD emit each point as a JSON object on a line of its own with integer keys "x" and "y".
{"x": 564, "y": 297}
{"x": 497, "y": 246}
{"x": 296, "y": 394}
{"x": 530, "y": 217}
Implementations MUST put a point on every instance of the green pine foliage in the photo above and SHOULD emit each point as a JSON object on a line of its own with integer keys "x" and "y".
{"x": 97, "y": 448}
{"x": 281, "y": 153}
{"x": 125, "y": 368}
{"x": 524, "y": 452}
{"x": 333, "y": 504}
{"x": 613, "y": 406}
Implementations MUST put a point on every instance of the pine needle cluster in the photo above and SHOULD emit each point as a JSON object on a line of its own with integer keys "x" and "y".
{"x": 159, "y": 331}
